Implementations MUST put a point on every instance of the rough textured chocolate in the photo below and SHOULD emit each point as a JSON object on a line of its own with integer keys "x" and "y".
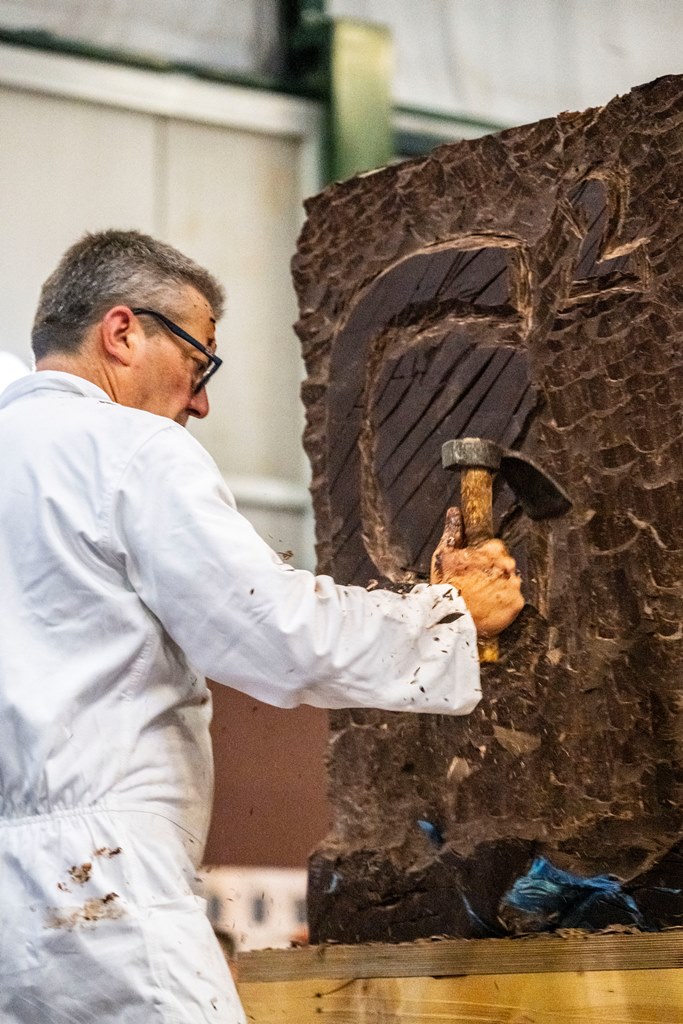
{"x": 528, "y": 288}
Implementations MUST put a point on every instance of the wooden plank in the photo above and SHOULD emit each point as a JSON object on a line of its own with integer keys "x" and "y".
{"x": 598, "y": 997}
{"x": 569, "y": 952}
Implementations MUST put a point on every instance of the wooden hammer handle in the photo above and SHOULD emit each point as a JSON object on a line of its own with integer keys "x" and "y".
{"x": 476, "y": 505}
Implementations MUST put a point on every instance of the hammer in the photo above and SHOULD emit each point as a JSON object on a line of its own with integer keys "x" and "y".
{"x": 478, "y": 459}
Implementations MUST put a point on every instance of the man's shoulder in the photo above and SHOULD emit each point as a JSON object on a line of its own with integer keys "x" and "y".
{"x": 137, "y": 434}
{"x": 109, "y": 436}
{"x": 136, "y": 441}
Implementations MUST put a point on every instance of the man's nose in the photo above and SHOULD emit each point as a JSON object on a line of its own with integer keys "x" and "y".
{"x": 199, "y": 406}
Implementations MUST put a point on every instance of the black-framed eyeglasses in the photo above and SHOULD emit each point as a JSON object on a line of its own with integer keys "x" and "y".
{"x": 214, "y": 362}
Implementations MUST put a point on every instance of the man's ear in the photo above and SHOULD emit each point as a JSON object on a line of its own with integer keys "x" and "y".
{"x": 121, "y": 334}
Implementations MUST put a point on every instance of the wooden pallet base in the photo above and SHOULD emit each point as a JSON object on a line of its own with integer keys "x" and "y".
{"x": 603, "y": 979}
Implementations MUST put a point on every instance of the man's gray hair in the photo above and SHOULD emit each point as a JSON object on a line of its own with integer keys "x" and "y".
{"x": 112, "y": 268}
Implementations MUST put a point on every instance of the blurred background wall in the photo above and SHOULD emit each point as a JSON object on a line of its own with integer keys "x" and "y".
{"x": 207, "y": 124}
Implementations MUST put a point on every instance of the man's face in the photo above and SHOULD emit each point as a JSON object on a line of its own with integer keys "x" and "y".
{"x": 172, "y": 366}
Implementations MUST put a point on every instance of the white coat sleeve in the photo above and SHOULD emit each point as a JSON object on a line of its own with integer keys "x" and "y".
{"x": 282, "y": 635}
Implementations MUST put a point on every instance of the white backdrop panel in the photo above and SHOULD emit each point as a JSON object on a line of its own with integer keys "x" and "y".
{"x": 514, "y": 61}
{"x": 65, "y": 167}
{"x": 232, "y": 204}
{"x": 233, "y": 35}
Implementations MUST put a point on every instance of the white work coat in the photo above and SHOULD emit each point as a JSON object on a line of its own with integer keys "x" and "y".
{"x": 127, "y": 576}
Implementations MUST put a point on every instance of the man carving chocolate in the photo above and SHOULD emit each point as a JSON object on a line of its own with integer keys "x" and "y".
{"x": 129, "y": 577}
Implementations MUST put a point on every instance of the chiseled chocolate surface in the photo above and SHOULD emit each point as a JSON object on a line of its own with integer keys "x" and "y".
{"x": 525, "y": 287}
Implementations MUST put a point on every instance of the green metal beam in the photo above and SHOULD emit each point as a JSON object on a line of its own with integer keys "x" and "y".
{"x": 48, "y": 42}
{"x": 360, "y": 97}
{"x": 348, "y": 65}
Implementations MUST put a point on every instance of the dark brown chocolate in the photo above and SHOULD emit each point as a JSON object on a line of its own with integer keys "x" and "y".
{"x": 528, "y": 288}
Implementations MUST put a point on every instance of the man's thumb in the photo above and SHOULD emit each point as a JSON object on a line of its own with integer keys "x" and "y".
{"x": 452, "y": 537}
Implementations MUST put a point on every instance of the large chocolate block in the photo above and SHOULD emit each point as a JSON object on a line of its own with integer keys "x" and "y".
{"x": 525, "y": 287}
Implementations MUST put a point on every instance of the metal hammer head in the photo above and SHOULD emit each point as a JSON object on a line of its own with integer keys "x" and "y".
{"x": 538, "y": 494}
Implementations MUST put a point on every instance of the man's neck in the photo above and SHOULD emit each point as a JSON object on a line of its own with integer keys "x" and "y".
{"x": 79, "y": 366}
